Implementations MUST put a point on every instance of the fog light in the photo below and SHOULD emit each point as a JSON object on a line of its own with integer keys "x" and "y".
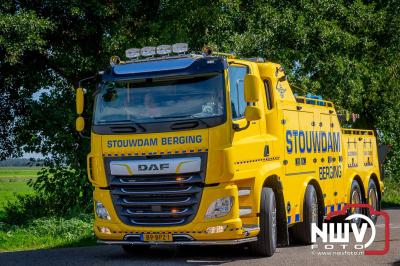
{"x": 104, "y": 230}
{"x": 216, "y": 229}
{"x": 219, "y": 208}
{"x": 101, "y": 211}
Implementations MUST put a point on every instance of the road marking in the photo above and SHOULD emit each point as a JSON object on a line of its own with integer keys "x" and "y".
{"x": 207, "y": 261}
{"x": 391, "y": 226}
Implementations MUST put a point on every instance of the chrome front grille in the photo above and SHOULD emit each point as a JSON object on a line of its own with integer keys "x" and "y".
{"x": 157, "y": 200}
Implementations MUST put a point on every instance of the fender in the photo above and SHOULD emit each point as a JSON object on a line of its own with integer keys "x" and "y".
{"x": 268, "y": 170}
{"x": 348, "y": 186}
{"x": 306, "y": 182}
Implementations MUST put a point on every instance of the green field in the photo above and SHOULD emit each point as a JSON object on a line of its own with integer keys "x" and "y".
{"x": 13, "y": 180}
{"x": 18, "y": 172}
{"x": 47, "y": 232}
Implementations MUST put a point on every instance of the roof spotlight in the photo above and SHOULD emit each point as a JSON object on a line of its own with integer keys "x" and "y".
{"x": 148, "y": 51}
{"x": 132, "y": 53}
{"x": 180, "y": 48}
{"x": 164, "y": 49}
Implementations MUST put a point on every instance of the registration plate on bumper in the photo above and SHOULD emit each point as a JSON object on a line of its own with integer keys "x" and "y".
{"x": 156, "y": 237}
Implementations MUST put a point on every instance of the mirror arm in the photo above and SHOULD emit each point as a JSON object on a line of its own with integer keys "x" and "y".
{"x": 86, "y": 79}
{"x": 80, "y": 86}
{"x": 83, "y": 136}
{"x": 237, "y": 128}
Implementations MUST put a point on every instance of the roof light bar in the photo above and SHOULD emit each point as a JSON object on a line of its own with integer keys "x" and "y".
{"x": 164, "y": 49}
{"x": 148, "y": 51}
{"x": 132, "y": 53}
{"x": 180, "y": 48}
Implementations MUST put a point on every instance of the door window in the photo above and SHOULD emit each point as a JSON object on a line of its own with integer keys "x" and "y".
{"x": 236, "y": 81}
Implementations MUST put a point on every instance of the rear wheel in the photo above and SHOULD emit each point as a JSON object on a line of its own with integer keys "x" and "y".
{"x": 355, "y": 198}
{"x": 302, "y": 231}
{"x": 267, "y": 238}
{"x": 135, "y": 249}
{"x": 373, "y": 200}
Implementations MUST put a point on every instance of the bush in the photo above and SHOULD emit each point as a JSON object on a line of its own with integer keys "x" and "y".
{"x": 25, "y": 208}
{"x": 391, "y": 197}
{"x": 64, "y": 188}
{"x": 59, "y": 191}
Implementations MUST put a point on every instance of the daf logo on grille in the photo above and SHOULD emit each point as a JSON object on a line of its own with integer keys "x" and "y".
{"x": 153, "y": 167}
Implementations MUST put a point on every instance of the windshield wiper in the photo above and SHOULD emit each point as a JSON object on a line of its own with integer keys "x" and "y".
{"x": 127, "y": 121}
{"x": 185, "y": 116}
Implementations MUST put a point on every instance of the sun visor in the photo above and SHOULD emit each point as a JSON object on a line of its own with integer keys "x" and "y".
{"x": 153, "y": 66}
{"x": 167, "y": 67}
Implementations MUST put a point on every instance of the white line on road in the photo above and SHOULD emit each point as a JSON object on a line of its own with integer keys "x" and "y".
{"x": 391, "y": 226}
{"x": 207, "y": 261}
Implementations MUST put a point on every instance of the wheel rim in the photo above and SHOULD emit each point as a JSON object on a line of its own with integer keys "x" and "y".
{"x": 314, "y": 210}
{"x": 355, "y": 199}
{"x": 373, "y": 201}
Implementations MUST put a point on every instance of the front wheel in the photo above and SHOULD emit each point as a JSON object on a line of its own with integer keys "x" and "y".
{"x": 267, "y": 238}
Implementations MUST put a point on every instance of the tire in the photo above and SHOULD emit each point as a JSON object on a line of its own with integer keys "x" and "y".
{"x": 302, "y": 231}
{"x": 266, "y": 243}
{"x": 135, "y": 249}
{"x": 355, "y": 198}
{"x": 373, "y": 200}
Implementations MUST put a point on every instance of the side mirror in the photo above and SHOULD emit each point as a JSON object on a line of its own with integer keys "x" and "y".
{"x": 252, "y": 113}
{"x": 80, "y": 124}
{"x": 252, "y": 91}
{"x": 252, "y": 85}
{"x": 79, "y": 100}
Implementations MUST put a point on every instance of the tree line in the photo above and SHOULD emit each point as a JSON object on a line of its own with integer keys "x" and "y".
{"x": 345, "y": 50}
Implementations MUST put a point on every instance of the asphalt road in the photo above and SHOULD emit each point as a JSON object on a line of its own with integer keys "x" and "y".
{"x": 292, "y": 255}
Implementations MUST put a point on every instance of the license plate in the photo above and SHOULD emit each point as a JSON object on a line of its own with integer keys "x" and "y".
{"x": 156, "y": 237}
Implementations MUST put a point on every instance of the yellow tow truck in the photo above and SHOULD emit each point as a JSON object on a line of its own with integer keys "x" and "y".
{"x": 208, "y": 149}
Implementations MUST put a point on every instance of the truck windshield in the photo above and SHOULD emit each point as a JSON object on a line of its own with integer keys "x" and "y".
{"x": 155, "y": 100}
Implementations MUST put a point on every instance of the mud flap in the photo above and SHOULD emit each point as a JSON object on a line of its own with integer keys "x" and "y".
{"x": 383, "y": 151}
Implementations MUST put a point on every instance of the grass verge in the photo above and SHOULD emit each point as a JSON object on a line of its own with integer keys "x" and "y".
{"x": 391, "y": 198}
{"x": 48, "y": 233}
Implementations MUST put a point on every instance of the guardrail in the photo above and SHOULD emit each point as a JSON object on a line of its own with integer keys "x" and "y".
{"x": 358, "y": 132}
{"x": 312, "y": 101}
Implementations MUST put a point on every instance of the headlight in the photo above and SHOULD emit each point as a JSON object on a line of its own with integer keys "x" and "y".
{"x": 219, "y": 208}
{"x": 101, "y": 211}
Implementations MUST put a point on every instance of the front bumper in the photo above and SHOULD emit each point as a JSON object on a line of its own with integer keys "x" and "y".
{"x": 183, "y": 243}
{"x": 196, "y": 230}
